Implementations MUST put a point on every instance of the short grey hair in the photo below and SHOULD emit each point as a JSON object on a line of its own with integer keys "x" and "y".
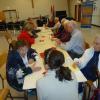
{"x": 72, "y": 24}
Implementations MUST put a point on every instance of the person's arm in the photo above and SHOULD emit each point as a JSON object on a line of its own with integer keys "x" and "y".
{"x": 81, "y": 62}
{"x": 65, "y": 37}
{"x": 69, "y": 45}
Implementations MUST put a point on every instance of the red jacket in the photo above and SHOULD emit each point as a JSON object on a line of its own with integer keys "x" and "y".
{"x": 24, "y": 35}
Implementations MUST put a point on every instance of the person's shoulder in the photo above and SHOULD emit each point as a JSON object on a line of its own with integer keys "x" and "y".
{"x": 41, "y": 82}
{"x": 13, "y": 52}
{"x": 13, "y": 55}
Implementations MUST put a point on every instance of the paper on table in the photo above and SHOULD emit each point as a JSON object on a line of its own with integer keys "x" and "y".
{"x": 30, "y": 80}
{"x": 79, "y": 76}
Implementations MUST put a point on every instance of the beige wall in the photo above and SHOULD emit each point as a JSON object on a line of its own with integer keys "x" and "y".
{"x": 25, "y": 10}
{"x": 72, "y": 7}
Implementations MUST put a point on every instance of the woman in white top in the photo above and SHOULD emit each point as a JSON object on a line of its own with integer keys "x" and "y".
{"x": 58, "y": 82}
{"x": 57, "y": 25}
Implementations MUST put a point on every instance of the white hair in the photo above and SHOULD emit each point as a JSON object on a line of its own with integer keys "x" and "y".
{"x": 72, "y": 24}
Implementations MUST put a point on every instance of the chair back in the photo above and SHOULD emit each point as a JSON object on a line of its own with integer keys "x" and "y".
{"x": 8, "y": 37}
{"x": 3, "y": 58}
{"x": 12, "y": 45}
{"x": 4, "y": 93}
{"x": 87, "y": 45}
{"x": 87, "y": 90}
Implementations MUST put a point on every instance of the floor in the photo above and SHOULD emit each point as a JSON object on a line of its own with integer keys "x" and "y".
{"x": 88, "y": 34}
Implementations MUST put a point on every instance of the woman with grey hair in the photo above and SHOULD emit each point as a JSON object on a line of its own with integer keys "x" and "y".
{"x": 75, "y": 47}
{"x": 26, "y": 34}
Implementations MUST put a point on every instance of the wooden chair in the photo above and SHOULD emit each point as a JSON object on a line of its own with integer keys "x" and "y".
{"x": 10, "y": 41}
{"x": 87, "y": 90}
{"x": 3, "y": 58}
{"x": 8, "y": 37}
{"x": 4, "y": 92}
{"x": 87, "y": 45}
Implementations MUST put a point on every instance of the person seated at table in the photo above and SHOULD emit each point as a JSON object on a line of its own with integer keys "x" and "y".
{"x": 75, "y": 47}
{"x": 30, "y": 20}
{"x": 18, "y": 64}
{"x": 58, "y": 83}
{"x": 35, "y": 30}
{"x": 26, "y": 34}
{"x": 89, "y": 63}
{"x": 50, "y": 22}
{"x": 63, "y": 35}
{"x": 57, "y": 25}
{"x": 61, "y": 28}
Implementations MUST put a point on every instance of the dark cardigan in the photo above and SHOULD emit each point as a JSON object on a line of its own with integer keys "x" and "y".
{"x": 14, "y": 63}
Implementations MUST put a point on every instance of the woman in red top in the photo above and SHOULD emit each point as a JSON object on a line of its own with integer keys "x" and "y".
{"x": 26, "y": 34}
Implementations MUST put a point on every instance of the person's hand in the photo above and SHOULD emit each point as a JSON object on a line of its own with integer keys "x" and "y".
{"x": 36, "y": 69}
{"x": 52, "y": 37}
{"x": 30, "y": 61}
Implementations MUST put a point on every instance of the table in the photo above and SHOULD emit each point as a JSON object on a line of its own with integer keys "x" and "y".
{"x": 44, "y": 42}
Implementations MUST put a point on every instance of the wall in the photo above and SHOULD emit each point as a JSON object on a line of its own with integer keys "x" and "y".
{"x": 25, "y": 10}
{"x": 72, "y": 7}
{"x": 96, "y": 14}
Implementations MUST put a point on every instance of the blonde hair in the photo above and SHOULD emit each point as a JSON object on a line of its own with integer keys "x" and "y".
{"x": 56, "y": 19}
{"x": 28, "y": 27}
{"x": 65, "y": 23}
{"x": 63, "y": 20}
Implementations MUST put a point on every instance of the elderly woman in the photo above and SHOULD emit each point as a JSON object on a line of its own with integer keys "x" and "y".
{"x": 18, "y": 64}
{"x": 63, "y": 35}
{"x": 51, "y": 22}
{"x": 75, "y": 47}
{"x": 26, "y": 34}
{"x": 57, "y": 25}
{"x": 30, "y": 20}
{"x": 58, "y": 83}
{"x": 89, "y": 63}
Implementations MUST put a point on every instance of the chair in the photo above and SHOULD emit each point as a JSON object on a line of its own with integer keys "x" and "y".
{"x": 87, "y": 45}
{"x": 87, "y": 90}
{"x": 39, "y": 23}
{"x": 4, "y": 92}
{"x": 8, "y": 37}
{"x": 11, "y": 42}
{"x": 10, "y": 26}
{"x": 22, "y": 23}
{"x": 17, "y": 26}
{"x": 2, "y": 26}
